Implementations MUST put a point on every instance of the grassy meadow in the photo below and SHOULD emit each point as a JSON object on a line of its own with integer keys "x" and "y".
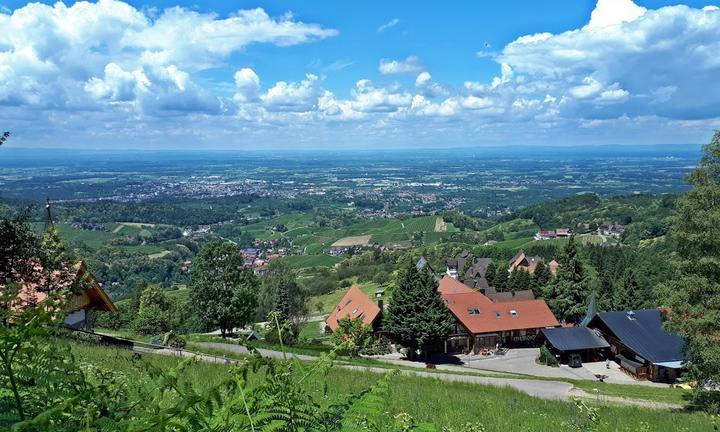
{"x": 428, "y": 400}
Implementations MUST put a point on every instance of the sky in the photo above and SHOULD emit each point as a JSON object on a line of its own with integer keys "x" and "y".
{"x": 335, "y": 75}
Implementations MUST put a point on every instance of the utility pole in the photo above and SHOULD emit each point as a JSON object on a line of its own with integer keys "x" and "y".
{"x": 49, "y": 224}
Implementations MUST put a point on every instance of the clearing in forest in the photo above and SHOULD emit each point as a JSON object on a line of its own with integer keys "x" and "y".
{"x": 121, "y": 225}
{"x": 352, "y": 241}
{"x": 440, "y": 225}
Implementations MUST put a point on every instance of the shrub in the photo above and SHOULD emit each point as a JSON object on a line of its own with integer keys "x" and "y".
{"x": 546, "y": 357}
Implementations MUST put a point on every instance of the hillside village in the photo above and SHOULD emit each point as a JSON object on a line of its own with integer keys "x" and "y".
{"x": 492, "y": 324}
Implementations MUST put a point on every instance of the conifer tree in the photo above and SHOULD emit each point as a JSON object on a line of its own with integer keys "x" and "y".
{"x": 567, "y": 294}
{"x": 694, "y": 297}
{"x": 627, "y": 294}
{"x": 490, "y": 273}
{"x": 501, "y": 279}
{"x": 417, "y": 317}
{"x": 542, "y": 275}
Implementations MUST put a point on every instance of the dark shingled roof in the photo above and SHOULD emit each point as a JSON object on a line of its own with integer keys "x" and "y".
{"x": 642, "y": 331}
{"x": 574, "y": 338}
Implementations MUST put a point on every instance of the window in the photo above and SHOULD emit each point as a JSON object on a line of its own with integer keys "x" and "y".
{"x": 348, "y": 302}
{"x": 497, "y": 314}
{"x": 513, "y": 312}
{"x": 355, "y": 311}
{"x": 473, "y": 311}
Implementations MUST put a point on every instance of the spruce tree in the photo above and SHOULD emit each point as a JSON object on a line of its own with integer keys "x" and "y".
{"x": 568, "y": 293}
{"x": 501, "y": 279}
{"x": 627, "y": 294}
{"x": 490, "y": 273}
{"x": 694, "y": 297}
{"x": 542, "y": 275}
{"x": 417, "y": 317}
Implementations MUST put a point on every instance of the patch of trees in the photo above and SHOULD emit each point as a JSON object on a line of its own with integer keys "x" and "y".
{"x": 463, "y": 222}
{"x": 693, "y": 294}
{"x": 416, "y": 316}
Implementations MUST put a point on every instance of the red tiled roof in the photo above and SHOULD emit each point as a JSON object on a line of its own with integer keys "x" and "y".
{"x": 493, "y": 317}
{"x": 449, "y": 285}
{"x": 354, "y": 304}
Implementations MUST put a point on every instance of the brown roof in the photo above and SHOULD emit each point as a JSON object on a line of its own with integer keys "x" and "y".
{"x": 354, "y": 304}
{"x": 449, "y": 285}
{"x": 93, "y": 297}
{"x": 494, "y": 317}
{"x": 524, "y": 262}
{"x": 501, "y": 297}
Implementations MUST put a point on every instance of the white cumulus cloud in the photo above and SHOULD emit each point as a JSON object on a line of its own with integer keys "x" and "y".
{"x": 410, "y": 65}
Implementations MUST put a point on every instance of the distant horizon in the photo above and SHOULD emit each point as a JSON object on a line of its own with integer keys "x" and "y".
{"x": 343, "y": 149}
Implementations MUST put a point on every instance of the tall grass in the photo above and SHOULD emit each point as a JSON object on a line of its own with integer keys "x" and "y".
{"x": 431, "y": 400}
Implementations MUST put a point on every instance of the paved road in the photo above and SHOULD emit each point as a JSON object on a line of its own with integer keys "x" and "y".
{"x": 552, "y": 390}
{"x": 522, "y": 361}
{"x": 239, "y": 349}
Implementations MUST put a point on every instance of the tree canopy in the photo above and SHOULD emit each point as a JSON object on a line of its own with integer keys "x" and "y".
{"x": 223, "y": 293}
{"x": 417, "y": 318}
{"x": 694, "y": 296}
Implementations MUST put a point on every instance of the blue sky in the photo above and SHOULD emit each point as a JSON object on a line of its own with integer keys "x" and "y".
{"x": 325, "y": 74}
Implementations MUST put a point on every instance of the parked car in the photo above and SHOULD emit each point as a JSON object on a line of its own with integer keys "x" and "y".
{"x": 574, "y": 360}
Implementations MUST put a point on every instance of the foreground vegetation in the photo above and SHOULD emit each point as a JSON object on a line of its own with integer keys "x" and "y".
{"x": 430, "y": 401}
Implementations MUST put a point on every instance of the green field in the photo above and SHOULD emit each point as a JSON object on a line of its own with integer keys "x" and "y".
{"x": 428, "y": 400}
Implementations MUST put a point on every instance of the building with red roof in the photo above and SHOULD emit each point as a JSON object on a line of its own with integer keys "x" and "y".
{"x": 355, "y": 304}
{"x": 482, "y": 323}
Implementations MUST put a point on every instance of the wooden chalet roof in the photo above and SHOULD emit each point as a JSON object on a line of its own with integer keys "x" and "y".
{"x": 354, "y": 304}
{"x": 93, "y": 297}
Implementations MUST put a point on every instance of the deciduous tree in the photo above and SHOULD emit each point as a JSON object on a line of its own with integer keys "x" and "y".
{"x": 223, "y": 293}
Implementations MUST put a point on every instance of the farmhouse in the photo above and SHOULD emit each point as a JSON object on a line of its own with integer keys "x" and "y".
{"x": 474, "y": 270}
{"x": 640, "y": 345}
{"x": 355, "y": 304}
{"x": 82, "y": 305}
{"x": 521, "y": 261}
{"x": 545, "y": 235}
{"x": 612, "y": 229}
{"x": 482, "y": 323}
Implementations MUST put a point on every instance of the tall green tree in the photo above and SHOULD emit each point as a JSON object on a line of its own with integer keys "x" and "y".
{"x": 542, "y": 275}
{"x": 281, "y": 293}
{"x": 222, "y": 292}
{"x": 500, "y": 281}
{"x": 627, "y": 293}
{"x": 694, "y": 295}
{"x": 155, "y": 312}
{"x": 567, "y": 294}
{"x": 417, "y": 317}
{"x": 490, "y": 273}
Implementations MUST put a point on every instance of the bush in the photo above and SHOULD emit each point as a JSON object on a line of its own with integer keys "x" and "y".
{"x": 546, "y": 357}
